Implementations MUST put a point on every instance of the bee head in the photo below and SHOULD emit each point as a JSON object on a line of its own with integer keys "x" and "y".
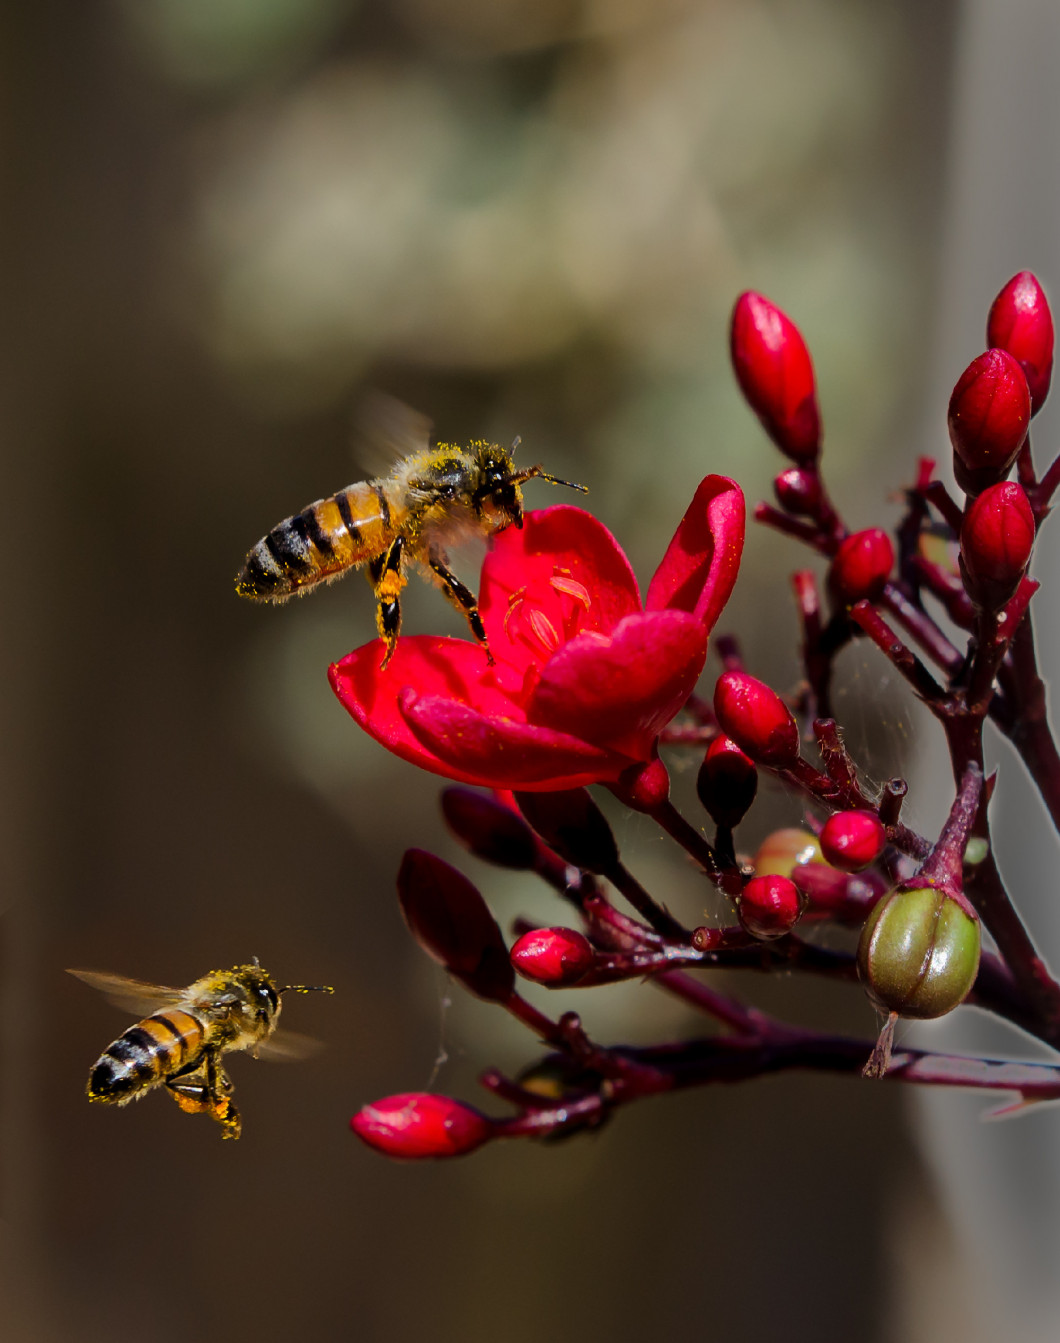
{"x": 249, "y": 990}
{"x": 497, "y": 496}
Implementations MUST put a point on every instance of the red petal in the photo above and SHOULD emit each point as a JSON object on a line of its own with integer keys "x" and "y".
{"x": 699, "y": 569}
{"x": 501, "y": 752}
{"x": 620, "y": 692}
{"x": 563, "y": 572}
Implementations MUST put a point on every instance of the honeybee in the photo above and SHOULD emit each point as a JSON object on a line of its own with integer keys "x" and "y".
{"x": 179, "y": 1045}
{"x": 431, "y": 501}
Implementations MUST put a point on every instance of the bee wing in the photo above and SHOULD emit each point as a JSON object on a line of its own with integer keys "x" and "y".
{"x": 137, "y": 996}
{"x": 285, "y": 1046}
{"x": 383, "y": 430}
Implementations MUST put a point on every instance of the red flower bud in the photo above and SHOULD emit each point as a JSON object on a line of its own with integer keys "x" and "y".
{"x": 861, "y": 567}
{"x": 573, "y": 826}
{"x": 756, "y": 719}
{"x": 488, "y": 829}
{"x": 1021, "y": 323}
{"x": 769, "y": 907}
{"x": 552, "y": 956}
{"x": 727, "y": 782}
{"x": 851, "y": 840}
{"x": 418, "y": 1124}
{"x": 990, "y": 412}
{"x": 643, "y": 787}
{"x": 775, "y": 373}
{"x": 997, "y": 537}
{"x": 798, "y": 491}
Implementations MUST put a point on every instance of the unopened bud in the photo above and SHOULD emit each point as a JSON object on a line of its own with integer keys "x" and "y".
{"x": 756, "y": 719}
{"x": 488, "y": 829}
{"x": 553, "y": 956}
{"x": 997, "y": 537}
{"x": 727, "y": 782}
{"x": 798, "y": 491}
{"x": 418, "y": 1124}
{"x": 775, "y": 373}
{"x": 919, "y": 952}
{"x": 862, "y": 565}
{"x": 785, "y": 849}
{"x": 1021, "y": 323}
{"x": 851, "y": 840}
{"x": 769, "y": 907}
{"x": 573, "y": 826}
{"x": 990, "y": 412}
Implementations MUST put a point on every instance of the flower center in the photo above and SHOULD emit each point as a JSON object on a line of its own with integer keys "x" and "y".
{"x": 543, "y": 632}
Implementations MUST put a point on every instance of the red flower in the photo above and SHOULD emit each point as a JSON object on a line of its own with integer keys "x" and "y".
{"x": 585, "y": 678}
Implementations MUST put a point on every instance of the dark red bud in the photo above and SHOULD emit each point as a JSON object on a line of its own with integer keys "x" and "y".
{"x": 997, "y": 537}
{"x": 418, "y": 1124}
{"x": 553, "y": 956}
{"x": 573, "y": 826}
{"x": 756, "y": 719}
{"x": 862, "y": 565}
{"x": 488, "y": 829}
{"x": 798, "y": 491}
{"x": 1021, "y": 323}
{"x": 643, "y": 787}
{"x": 769, "y": 906}
{"x": 727, "y": 782}
{"x": 851, "y": 840}
{"x": 775, "y": 373}
{"x": 990, "y": 412}
{"x": 450, "y": 920}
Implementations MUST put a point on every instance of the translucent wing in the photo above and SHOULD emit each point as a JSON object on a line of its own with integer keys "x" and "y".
{"x": 133, "y": 995}
{"x": 285, "y": 1046}
{"x": 383, "y": 430}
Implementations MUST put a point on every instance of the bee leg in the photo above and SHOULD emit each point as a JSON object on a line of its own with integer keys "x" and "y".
{"x": 388, "y": 579}
{"x": 463, "y": 599}
{"x": 208, "y": 1091}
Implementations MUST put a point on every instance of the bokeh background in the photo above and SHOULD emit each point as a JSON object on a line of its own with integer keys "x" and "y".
{"x": 225, "y": 220}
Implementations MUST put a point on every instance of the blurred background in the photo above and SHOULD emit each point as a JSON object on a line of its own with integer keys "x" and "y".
{"x": 227, "y": 219}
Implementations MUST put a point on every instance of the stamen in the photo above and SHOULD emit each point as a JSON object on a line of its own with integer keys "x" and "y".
{"x": 544, "y": 629}
{"x": 562, "y": 582}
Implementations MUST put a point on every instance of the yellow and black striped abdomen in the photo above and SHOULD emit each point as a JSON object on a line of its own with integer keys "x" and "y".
{"x": 148, "y": 1053}
{"x": 319, "y": 544}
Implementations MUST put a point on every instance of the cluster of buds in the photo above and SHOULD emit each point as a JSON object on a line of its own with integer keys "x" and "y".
{"x": 593, "y": 686}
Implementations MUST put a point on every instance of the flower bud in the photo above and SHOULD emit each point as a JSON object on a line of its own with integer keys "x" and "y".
{"x": 452, "y": 923}
{"x": 756, "y": 719}
{"x": 783, "y": 850}
{"x": 769, "y": 907}
{"x": 553, "y": 956}
{"x": 419, "y": 1124}
{"x": 643, "y": 787}
{"x": 773, "y": 368}
{"x": 919, "y": 952}
{"x": 1021, "y": 323}
{"x": 862, "y": 565}
{"x": 488, "y": 829}
{"x": 727, "y": 782}
{"x": 573, "y": 826}
{"x": 997, "y": 537}
{"x": 851, "y": 840}
{"x": 990, "y": 412}
{"x": 798, "y": 491}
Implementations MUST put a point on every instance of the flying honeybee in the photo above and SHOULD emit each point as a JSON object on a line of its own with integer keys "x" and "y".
{"x": 432, "y": 500}
{"x": 179, "y": 1045}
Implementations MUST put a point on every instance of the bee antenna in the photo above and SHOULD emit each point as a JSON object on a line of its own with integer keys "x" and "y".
{"x": 306, "y": 988}
{"x": 535, "y": 472}
{"x": 515, "y": 443}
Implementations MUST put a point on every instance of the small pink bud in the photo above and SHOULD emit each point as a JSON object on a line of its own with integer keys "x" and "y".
{"x": 861, "y": 567}
{"x": 851, "y": 840}
{"x": 552, "y": 956}
{"x": 775, "y": 373}
{"x": 1021, "y": 323}
{"x": 756, "y": 719}
{"x": 727, "y": 782}
{"x": 769, "y": 907}
{"x": 990, "y": 412}
{"x": 798, "y": 491}
{"x": 997, "y": 537}
{"x": 419, "y": 1124}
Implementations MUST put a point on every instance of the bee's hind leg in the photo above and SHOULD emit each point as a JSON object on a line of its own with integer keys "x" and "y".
{"x": 463, "y": 599}
{"x": 208, "y": 1090}
{"x": 388, "y": 578}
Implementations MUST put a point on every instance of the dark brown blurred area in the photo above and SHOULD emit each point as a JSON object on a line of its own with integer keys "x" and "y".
{"x": 224, "y": 219}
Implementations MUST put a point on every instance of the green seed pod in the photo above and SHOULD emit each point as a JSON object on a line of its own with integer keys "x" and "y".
{"x": 919, "y": 952}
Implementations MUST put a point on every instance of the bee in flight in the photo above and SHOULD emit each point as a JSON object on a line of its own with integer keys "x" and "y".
{"x": 179, "y": 1045}
{"x": 431, "y": 501}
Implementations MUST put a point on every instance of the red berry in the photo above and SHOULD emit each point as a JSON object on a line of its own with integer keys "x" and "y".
{"x": 997, "y": 537}
{"x": 862, "y": 565}
{"x": 990, "y": 412}
{"x": 756, "y": 719}
{"x": 769, "y": 906}
{"x": 798, "y": 491}
{"x": 851, "y": 840}
{"x": 727, "y": 782}
{"x": 775, "y": 373}
{"x": 1021, "y": 323}
{"x": 419, "y": 1124}
{"x": 552, "y": 956}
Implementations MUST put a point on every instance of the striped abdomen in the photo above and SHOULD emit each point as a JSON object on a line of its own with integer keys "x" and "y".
{"x": 318, "y": 544}
{"x": 145, "y": 1055}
